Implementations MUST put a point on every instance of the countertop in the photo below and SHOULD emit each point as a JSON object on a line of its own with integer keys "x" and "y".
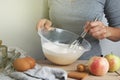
{"x": 72, "y": 67}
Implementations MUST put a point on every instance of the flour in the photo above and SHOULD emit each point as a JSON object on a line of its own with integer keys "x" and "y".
{"x": 61, "y": 53}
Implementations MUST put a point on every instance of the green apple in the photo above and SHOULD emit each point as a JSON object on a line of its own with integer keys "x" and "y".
{"x": 114, "y": 62}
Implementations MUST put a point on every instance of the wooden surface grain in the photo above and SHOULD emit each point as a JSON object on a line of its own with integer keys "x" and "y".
{"x": 72, "y": 67}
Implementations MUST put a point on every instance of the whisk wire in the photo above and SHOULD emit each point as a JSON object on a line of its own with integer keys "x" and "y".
{"x": 80, "y": 39}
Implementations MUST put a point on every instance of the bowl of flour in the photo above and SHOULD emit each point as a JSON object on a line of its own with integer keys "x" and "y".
{"x": 56, "y": 46}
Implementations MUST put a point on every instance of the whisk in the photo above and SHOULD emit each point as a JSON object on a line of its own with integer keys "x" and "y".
{"x": 80, "y": 39}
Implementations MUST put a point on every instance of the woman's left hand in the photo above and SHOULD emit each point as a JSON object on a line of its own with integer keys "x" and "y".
{"x": 97, "y": 29}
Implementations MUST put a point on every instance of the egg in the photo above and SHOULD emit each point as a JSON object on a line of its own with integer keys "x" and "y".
{"x": 23, "y": 64}
{"x": 31, "y": 61}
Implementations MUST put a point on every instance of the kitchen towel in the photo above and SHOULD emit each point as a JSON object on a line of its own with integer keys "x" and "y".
{"x": 40, "y": 73}
{"x": 5, "y": 77}
{"x": 37, "y": 73}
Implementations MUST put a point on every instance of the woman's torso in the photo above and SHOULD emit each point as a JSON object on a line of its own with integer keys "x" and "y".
{"x": 73, "y": 14}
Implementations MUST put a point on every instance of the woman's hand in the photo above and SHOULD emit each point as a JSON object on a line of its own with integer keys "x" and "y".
{"x": 97, "y": 29}
{"x": 44, "y": 23}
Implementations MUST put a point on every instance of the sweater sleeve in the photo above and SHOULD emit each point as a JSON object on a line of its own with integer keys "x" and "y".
{"x": 112, "y": 12}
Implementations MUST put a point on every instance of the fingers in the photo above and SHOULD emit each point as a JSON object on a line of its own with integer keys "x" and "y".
{"x": 99, "y": 33}
{"x": 44, "y": 23}
{"x": 97, "y": 29}
{"x": 86, "y": 27}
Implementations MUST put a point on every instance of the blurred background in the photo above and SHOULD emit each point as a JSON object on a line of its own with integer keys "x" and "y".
{"x": 18, "y": 19}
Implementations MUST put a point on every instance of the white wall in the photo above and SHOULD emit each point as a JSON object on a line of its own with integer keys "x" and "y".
{"x": 18, "y": 19}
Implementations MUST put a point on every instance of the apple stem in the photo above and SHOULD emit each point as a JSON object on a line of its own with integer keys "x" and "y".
{"x": 101, "y": 55}
{"x": 117, "y": 73}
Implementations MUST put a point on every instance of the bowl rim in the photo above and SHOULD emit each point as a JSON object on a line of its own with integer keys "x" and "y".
{"x": 58, "y": 29}
{"x": 40, "y": 34}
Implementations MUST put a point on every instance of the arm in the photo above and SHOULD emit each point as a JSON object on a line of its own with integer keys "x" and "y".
{"x": 112, "y": 11}
{"x": 112, "y": 32}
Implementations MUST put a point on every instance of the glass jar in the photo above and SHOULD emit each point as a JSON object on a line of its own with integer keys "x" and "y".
{"x": 3, "y": 56}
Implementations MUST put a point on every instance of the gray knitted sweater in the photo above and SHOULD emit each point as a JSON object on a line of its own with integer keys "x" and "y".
{"x": 73, "y": 14}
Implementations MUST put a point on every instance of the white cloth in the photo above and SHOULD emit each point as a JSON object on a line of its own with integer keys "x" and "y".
{"x": 37, "y": 73}
{"x": 4, "y": 77}
{"x": 40, "y": 73}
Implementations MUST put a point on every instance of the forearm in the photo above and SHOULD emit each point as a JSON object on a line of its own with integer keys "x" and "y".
{"x": 113, "y": 33}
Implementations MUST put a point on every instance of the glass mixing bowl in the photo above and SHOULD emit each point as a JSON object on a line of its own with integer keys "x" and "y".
{"x": 56, "y": 46}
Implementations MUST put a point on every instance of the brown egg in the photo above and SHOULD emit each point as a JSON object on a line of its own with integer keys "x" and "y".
{"x": 23, "y": 64}
{"x": 31, "y": 61}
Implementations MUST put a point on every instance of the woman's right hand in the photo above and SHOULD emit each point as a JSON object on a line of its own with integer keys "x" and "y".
{"x": 44, "y": 23}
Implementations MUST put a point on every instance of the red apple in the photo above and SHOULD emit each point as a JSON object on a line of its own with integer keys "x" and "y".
{"x": 98, "y": 65}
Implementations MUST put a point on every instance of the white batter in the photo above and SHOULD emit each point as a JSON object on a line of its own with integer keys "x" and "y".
{"x": 61, "y": 53}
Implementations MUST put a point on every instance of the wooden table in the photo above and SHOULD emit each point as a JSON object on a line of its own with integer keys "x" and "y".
{"x": 72, "y": 67}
